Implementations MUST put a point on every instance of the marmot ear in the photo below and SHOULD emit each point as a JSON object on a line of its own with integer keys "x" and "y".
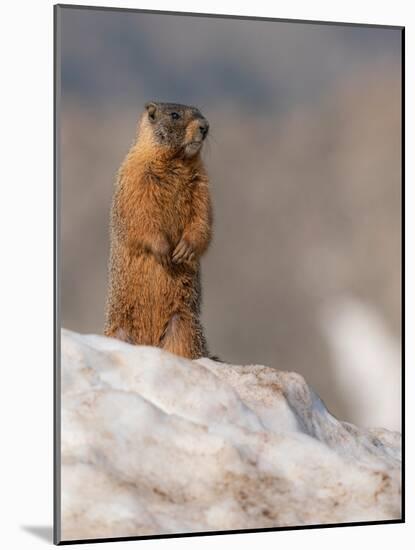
{"x": 151, "y": 109}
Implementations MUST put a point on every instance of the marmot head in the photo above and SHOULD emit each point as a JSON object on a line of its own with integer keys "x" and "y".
{"x": 179, "y": 129}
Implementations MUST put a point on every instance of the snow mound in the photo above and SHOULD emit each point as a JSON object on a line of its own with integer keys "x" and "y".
{"x": 153, "y": 443}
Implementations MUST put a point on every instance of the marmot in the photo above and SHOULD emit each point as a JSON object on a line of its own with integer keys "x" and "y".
{"x": 161, "y": 219}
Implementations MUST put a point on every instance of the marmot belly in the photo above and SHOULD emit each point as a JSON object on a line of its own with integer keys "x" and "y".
{"x": 154, "y": 304}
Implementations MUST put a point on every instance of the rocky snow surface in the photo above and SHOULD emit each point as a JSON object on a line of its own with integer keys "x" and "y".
{"x": 153, "y": 443}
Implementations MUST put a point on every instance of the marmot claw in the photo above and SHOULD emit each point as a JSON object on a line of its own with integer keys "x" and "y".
{"x": 183, "y": 252}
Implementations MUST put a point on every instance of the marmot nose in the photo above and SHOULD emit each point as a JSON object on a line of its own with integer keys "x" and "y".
{"x": 204, "y": 127}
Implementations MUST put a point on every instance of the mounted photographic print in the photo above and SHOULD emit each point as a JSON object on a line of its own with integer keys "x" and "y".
{"x": 228, "y": 290}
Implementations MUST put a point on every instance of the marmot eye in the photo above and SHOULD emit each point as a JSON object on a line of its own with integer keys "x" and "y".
{"x": 175, "y": 116}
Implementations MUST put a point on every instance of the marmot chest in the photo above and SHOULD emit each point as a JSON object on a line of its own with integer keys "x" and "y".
{"x": 175, "y": 201}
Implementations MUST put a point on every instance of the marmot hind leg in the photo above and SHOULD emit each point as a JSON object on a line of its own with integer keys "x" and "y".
{"x": 120, "y": 334}
{"x": 184, "y": 336}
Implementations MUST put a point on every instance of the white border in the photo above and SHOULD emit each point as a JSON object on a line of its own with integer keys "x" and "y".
{"x": 26, "y": 267}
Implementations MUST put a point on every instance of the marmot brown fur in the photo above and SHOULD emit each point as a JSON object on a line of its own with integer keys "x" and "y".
{"x": 160, "y": 226}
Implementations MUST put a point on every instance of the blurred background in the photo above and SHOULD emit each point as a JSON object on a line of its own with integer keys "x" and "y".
{"x": 304, "y": 155}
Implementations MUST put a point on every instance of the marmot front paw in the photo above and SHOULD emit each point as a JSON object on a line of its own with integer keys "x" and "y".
{"x": 163, "y": 259}
{"x": 183, "y": 252}
{"x": 162, "y": 252}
